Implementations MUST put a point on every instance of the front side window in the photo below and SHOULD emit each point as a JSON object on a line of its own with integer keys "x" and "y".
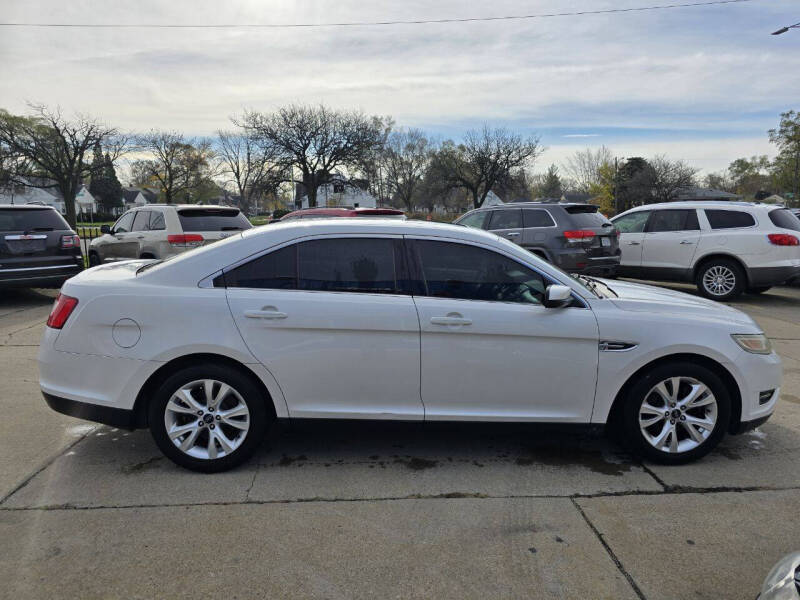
{"x": 477, "y": 219}
{"x": 329, "y": 265}
{"x": 505, "y": 219}
{"x": 632, "y": 223}
{"x": 141, "y": 222}
{"x": 157, "y": 221}
{"x": 673, "y": 220}
{"x": 729, "y": 219}
{"x": 452, "y": 270}
{"x": 123, "y": 225}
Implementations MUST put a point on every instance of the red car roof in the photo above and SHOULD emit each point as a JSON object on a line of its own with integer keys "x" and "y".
{"x": 344, "y": 212}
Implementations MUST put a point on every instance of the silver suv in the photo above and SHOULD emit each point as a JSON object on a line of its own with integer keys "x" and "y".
{"x": 575, "y": 237}
{"x": 162, "y": 230}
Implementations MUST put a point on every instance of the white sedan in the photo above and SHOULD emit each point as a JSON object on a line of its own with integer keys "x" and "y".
{"x": 378, "y": 319}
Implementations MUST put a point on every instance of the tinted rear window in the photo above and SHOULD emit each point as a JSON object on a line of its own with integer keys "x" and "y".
{"x": 729, "y": 219}
{"x": 26, "y": 219}
{"x": 536, "y": 217}
{"x": 586, "y": 216}
{"x": 203, "y": 219}
{"x": 784, "y": 219}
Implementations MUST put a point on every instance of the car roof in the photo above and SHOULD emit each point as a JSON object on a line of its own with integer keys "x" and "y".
{"x": 27, "y": 206}
{"x": 343, "y": 210}
{"x": 705, "y": 204}
{"x": 370, "y": 225}
{"x": 535, "y": 204}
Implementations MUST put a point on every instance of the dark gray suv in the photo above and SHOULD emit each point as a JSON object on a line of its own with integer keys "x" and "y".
{"x": 575, "y": 237}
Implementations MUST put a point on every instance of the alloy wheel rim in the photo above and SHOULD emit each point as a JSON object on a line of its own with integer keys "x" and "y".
{"x": 719, "y": 280}
{"x": 207, "y": 419}
{"x": 678, "y": 415}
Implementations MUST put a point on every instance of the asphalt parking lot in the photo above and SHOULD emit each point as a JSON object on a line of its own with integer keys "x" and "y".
{"x": 346, "y": 511}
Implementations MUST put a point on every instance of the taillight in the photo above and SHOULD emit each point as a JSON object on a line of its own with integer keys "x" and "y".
{"x": 579, "y": 235}
{"x": 188, "y": 240}
{"x": 62, "y": 309}
{"x": 70, "y": 241}
{"x": 783, "y": 239}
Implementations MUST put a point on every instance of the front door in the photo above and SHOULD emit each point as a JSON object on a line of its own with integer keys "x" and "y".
{"x": 122, "y": 243}
{"x": 490, "y": 349}
{"x": 670, "y": 241}
{"x": 333, "y": 321}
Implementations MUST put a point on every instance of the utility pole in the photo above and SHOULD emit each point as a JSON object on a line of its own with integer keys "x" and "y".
{"x": 616, "y": 179}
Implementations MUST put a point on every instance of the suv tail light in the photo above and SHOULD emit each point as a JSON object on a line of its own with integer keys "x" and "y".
{"x": 62, "y": 309}
{"x": 783, "y": 239}
{"x": 186, "y": 240}
{"x": 579, "y": 235}
{"x": 70, "y": 241}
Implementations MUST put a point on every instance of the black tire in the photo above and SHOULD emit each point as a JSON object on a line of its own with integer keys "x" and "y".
{"x": 759, "y": 290}
{"x": 247, "y": 391}
{"x": 146, "y": 256}
{"x": 729, "y": 270}
{"x": 94, "y": 259}
{"x": 629, "y": 427}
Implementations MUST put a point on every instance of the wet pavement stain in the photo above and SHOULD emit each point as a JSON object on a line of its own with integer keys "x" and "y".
{"x": 417, "y": 464}
{"x": 790, "y": 398}
{"x": 150, "y": 463}
{"x": 564, "y": 457}
{"x": 285, "y": 461}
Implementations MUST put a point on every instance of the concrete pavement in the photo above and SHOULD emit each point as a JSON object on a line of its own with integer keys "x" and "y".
{"x": 342, "y": 511}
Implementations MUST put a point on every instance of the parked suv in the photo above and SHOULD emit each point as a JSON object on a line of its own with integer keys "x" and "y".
{"x": 726, "y": 248}
{"x": 162, "y": 230}
{"x": 37, "y": 247}
{"x": 576, "y": 237}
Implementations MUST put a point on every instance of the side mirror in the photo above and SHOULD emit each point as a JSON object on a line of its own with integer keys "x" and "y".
{"x": 557, "y": 296}
{"x": 105, "y": 229}
{"x": 781, "y": 582}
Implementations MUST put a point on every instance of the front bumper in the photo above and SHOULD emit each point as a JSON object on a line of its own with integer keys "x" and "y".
{"x": 116, "y": 417}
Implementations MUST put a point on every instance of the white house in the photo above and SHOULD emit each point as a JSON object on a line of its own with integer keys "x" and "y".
{"x": 133, "y": 197}
{"x": 339, "y": 192}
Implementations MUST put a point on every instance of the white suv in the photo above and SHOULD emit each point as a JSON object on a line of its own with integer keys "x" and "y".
{"x": 162, "y": 230}
{"x": 726, "y": 248}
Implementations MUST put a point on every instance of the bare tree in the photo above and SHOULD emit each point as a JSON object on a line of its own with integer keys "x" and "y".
{"x": 179, "y": 164}
{"x": 485, "y": 158}
{"x": 250, "y": 167}
{"x": 317, "y": 140}
{"x": 404, "y": 161}
{"x": 48, "y": 150}
{"x": 669, "y": 177}
{"x": 584, "y": 167}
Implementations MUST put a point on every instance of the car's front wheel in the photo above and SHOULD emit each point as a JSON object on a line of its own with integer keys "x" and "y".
{"x": 676, "y": 413}
{"x": 94, "y": 259}
{"x": 208, "y": 417}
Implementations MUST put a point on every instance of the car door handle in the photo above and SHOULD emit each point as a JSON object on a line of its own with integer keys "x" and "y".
{"x": 633, "y": 244}
{"x": 512, "y": 234}
{"x": 451, "y": 320}
{"x": 687, "y": 242}
{"x": 139, "y": 237}
{"x": 265, "y": 314}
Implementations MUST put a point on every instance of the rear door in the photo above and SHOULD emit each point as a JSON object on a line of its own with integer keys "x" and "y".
{"x": 332, "y": 318}
{"x": 507, "y": 222}
{"x": 537, "y": 224}
{"x": 631, "y": 236}
{"x": 670, "y": 241}
{"x": 212, "y": 223}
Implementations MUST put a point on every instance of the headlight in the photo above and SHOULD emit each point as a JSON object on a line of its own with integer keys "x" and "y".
{"x": 757, "y": 343}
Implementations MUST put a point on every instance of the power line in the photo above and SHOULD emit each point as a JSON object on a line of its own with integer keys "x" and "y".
{"x": 370, "y": 23}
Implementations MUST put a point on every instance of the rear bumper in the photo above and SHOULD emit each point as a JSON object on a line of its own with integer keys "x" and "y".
{"x": 116, "y": 417}
{"x": 761, "y": 276}
{"x": 49, "y": 276}
{"x": 579, "y": 262}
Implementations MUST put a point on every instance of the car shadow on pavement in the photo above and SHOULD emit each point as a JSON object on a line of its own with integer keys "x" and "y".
{"x": 20, "y": 298}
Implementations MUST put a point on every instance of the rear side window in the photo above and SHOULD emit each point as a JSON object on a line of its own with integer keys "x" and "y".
{"x": 535, "y": 217}
{"x": 506, "y": 219}
{"x": 466, "y": 272}
{"x": 274, "y": 271}
{"x": 336, "y": 265}
{"x": 784, "y": 219}
{"x": 204, "y": 219}
{"x": 28, "y": 219}
{"x": 586, "y": 215}
{"x": 729, "y": 219}
{"x": 632, "y": 223}
{"x": 673, "y": 220}
{"x": 347, "y": 265}
{"x": 477, "y": 219}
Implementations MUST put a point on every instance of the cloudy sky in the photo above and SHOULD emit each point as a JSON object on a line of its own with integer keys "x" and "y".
{"x": 703, "y": 84}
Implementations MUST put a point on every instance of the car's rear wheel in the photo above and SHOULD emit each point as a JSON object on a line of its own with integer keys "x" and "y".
{"x": 208, "y": 418}
{"x": 676, "y": 413}
{"x": 759, "y": 289}
{"x": 720, "y": 279}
